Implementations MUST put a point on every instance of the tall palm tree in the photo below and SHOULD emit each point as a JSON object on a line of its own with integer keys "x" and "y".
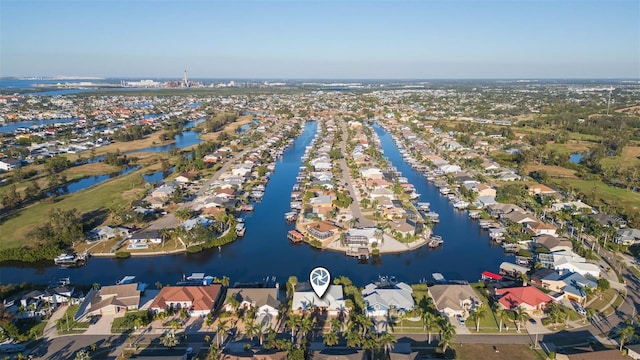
{"x": 336, "y": 325}
{"x": 448, "y": 331}
{"x": 260, "y": 331}
{"x": 292, "y": 323}
{"x": 170, "y": 340}
{"x": 520, "y": 315}
{"x": 428, "y": 322}
{"x": 221, "y": 329}
{"x": 387, "y": 342}
{"x": 480, "y": 313}
{"x": 306, "y": 324}
{"x": 626, "y": 334}
{"x": 251, "y": 329}
{"x": 500, "y": 315}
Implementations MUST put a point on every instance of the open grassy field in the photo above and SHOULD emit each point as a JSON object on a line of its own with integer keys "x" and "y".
{"x": 572, "y": 146}
{"x": 606, "y": 194}
{"x": 15, "y": 229}
{"x": 553, "y": 171}
{"x": 630, "y": 157}
{"x": 229, "y": 128}
{"x": 491, "y": 352}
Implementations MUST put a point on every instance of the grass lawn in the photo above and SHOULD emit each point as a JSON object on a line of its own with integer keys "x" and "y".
{"x": 491, "y": 352}
{"x": 601, "y": 303}
{"x": 66, "y": 324}
{"x": 570, "y": 147}
{"x": 15, "y": 229}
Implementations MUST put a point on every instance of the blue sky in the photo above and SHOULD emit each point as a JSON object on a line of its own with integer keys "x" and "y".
{"x": 321, "y": 39}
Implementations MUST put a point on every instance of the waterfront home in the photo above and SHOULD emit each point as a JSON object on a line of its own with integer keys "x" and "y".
{"x": 484, "y": 190}
{"x": 552, "y": 243}
{"x": 371, "y": 173}
{"x": 537, "y": 228}
{"x": 454, "y": 299}
{"x": 362, "y": 236}
{"x": 198, "y": 300}
{"x": 518, "y": 217}
{"x": 403, "y": 227}
{"x": 529, "y": 298}
{"x": 200, "y": 220}
{"x": 106, "y": 232}
{"x": 323, "y": 231}
{"x": 305, "y": 299}
{"x": 486, "y": 201}
{"x": 264, "y": 300}
{"x": 110, "y": 300}
{"x": 572, "y": 285}
{"x": 386, "y": 298}
{"x": 147, "y": 236}
{"x": 627, "y": 237}
{"x": 510, "y": 269}
{"x": 500, "y": 209}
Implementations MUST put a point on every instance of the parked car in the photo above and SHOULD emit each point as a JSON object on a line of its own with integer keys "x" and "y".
{"x": 461, "y": 320}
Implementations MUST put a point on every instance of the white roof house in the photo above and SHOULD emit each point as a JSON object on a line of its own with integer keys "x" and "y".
{"x": 304, "y": 298}
{"x": 382, "y": 297}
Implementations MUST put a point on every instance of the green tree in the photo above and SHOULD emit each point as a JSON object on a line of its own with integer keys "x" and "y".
{"x": 170, "y": 340}
{"x": 82, "y": 355}
{"x": 429, "y": 321}
{"x": 520, "y": 315}
{"x": 626, "y": 334}
{"x": 447, "y": 332}
{"x": 221, "y": 329}
{"x": 330, "y": 338}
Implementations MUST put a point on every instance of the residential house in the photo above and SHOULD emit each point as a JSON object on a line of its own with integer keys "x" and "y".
{"x": 323, "y": 231}
{"x": 572, "y": 285}
{"x": 628, "y": 237}
{"x": 537, "y": 228}
{"x": 198, "y": 300}
{"x": 110, "y": 300}
{"x": 569, "y": 261}
{"x": 485, "y": 190}
{"x": 304, "y": 299}
{"x": 147, "y": 236}
{"x": 528, "y": 297}
{"x": 362, "y": 236}
{"x": 540, "y": 189}
{"x": 384, "y": 298}
{"x": 164, "y": 191}
{"x": 576, "y": 207}
{"x": 513, "y": 270}
{"x": 264, "y": 300}
{"x": 608, "y": 220}
{"x": 9, "y": 164}
{"x": 552, "y": 243}
{"x": 454, "y": 299}
{"x": 186, "y": 177}
{"x": 107, "y": 232}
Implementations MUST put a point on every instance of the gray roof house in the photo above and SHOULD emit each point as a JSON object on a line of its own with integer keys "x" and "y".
{"x": 628, "y": 237}
{"x": 382, "y": 297}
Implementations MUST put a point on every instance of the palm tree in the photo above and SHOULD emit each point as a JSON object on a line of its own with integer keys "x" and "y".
{"x": 292, "y": 323}
{"x": 82, "y": 355}
{"x": 234, "y": 302}
{"x": 479, "y": 314}
{"x": 447, "y": 333}
{"x": 220, "y": 330}
{"x": 500, "y": 315}
{"x": 251, "y": 329}
{"x": 428, "y": 322}
{"x": 353, "y": 338}
{"x": 626, "y": 334}
{"x": 387, "y": 341}
{"x": 520, "y": 315}
{"x": 590, "y": 313}
{"x": 336, "y": 325}
{"x": 306, "y": 325}
{"x": 260, "y": 331}
{"x": 330, "y": 338}
{"x": 170, "y": 340}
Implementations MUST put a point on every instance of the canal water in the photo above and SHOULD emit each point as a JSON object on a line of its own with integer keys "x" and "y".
{"x": 265, "y": 250}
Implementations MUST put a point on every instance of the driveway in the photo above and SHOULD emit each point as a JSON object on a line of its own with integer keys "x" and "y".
{"x": 102, "y": 326}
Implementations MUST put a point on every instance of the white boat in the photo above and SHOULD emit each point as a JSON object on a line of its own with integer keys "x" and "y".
{"x": 444, "y": 190}
{"x": 126, "y": 280}
{"x": 240, "y": 229}
{"x": 414, "y": 195}
{"x": 461, "y": 205}
{"x": 64, "y": 258}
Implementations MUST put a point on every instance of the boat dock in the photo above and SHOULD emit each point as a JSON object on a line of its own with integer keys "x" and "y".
{"x": 435, "y": 241}
{"x": 360, "y": 252}
{"x": 295, "y": 236}
{"x": 240, "y": 229}
{"x": 291, "y": 216}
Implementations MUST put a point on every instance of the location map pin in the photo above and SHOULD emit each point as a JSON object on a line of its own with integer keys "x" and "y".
{"x": 320, "y": 279}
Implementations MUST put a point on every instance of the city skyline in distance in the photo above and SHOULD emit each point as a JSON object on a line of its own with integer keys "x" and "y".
{"x": 322, "y": 40}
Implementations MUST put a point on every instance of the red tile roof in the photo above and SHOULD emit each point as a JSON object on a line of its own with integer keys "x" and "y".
{"x": 514, "y": 297}
{"x": 201, "y": 297}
